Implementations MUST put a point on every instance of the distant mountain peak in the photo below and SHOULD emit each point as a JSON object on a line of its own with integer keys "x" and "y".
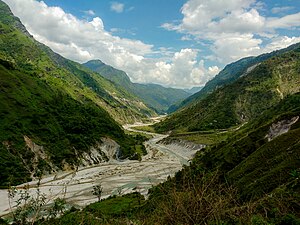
{"x": 154, "y": 96}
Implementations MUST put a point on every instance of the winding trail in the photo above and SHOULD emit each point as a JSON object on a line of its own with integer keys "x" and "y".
{"x": 115, "y": 177}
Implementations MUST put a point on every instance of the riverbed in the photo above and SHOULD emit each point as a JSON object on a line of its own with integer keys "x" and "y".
{"x": 115, "y": 177}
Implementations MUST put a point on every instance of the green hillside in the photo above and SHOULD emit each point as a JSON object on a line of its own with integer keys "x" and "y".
{"x": 228, "y": 75}
{"x": 154, "y": 96}
{"x": 246, "y": 179}
{"x": 243, "y": 100}
{"x": 17, "y": 46}
{"x": 54, "y": 104}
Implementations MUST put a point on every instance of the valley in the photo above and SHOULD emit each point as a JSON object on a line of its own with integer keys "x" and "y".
{"x": 116, "y": 177}
{"x": 117, "y": 131}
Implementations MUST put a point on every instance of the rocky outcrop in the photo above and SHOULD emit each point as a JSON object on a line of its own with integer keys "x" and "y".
{"x": 104, "y": 151}
{"x": 38, "y": 155}
{"x": 186, "y": 149}
{"x": 182, "y": 143}
{"x": 281, "y": 127}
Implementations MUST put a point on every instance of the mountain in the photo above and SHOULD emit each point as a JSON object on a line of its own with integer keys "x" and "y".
{"x": 19, "y": 47}
{"x": 154, "y": 96}
{"x": 250, "y": 178}
{"x": 228, "y": 75}
{"x": 236, "y": 103}
{"x": 193, "y": 90}
{"x": 56, "y": 114}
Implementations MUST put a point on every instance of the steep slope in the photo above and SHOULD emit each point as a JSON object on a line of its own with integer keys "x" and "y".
{"x": 19, "y": 47}
{"x": 251, "y": 178}
{"x": 244, "y": 99}
{"x": 228, "y": 75}
{"x": 154, "y": 96}
{"x": 272, "y": 138}
{"x": 50, "y": 114}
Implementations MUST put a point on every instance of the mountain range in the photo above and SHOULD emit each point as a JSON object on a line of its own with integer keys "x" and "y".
{"x": 54, "y": 111}
{"x": 57, "y": 114}
{"x": 241, "y": 95}
{"x": 154, "y": 96}
{"x": 229, "y": 75}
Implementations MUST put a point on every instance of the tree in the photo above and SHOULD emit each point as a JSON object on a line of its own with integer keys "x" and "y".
{"x": 97, "y": 190}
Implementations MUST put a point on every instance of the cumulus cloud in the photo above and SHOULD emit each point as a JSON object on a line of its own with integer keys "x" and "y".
{"x": 230, "y": 48}
{"x": 234, "y": 27}
{"x": 182, "y": 70}
{"x": 289, "y": 21}
{"x": 83, "y": 40}
{"x": 117, "y": 7}
{"x": 281, "y": 42}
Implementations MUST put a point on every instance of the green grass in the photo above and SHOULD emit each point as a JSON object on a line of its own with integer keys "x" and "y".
{"x": 206, "y": 138}
{"x": 145, "y": 128}
{"x": 51, "y": 119}
{"x": 114, "y": 210}
{"x": 147, "y": 136}
{"x": 116, "y": 206}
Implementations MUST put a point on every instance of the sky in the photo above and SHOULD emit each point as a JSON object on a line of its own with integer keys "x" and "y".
{"x": 175, "y": 43}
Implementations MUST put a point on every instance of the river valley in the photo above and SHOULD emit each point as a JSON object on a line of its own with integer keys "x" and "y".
{"x": 116, "y": 177}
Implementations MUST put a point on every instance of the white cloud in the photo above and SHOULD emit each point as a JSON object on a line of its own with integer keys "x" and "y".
{"x": 89, "y": 12}
{"x": 289, "y": 21}
{"x": 281, "y": 42}
{"x": 83, "y": 40}
{"x": 229, "y": 48}
{"x": 182, "y": 70}
{"x": 235, "y": 28}
{"x": 241, "y": 21}
{"x": 199, "y": 14}
{"x": 130, "y": 8}
{"x": 276, "y": 10}
{"x": 117, "y": 7}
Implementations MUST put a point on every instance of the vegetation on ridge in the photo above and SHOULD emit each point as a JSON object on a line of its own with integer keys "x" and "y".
{"x": 154, "y": 96}
{"x": 242, "y": 100}
{"x": 250, "y": 177}
{"x": 54, "y": 103}
{"x": 225, "y": 184}
{"x": 229, "y": 75}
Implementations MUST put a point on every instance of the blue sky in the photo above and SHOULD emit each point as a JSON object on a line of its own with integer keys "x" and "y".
{"x": 177, "y": 43}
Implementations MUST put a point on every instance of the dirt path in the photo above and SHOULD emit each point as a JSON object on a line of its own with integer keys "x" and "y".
{"x": 115, "y": 177}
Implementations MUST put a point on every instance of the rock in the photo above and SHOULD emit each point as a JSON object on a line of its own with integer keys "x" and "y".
{"x": 281, "y": 127}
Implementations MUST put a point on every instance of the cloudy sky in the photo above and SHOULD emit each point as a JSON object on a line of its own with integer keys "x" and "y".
{"x": 176, "y": 43}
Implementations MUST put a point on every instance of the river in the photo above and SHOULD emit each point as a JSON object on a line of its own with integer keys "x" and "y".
{"x": 115, "y": 177}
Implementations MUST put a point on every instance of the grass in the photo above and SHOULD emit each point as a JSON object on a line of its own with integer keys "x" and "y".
{"x": 206, "y": 138}
{"x": 116, "y": 206}
{"x": 145, "y": 128}
{"x": 113, "y": 210}
{"x": 147, "y": 136}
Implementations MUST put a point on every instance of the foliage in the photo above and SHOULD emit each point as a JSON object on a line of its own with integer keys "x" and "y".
{"x": 113, "y": 210}
{"x": 154, "y": 96}
{"x": 28, "y": 207}
{"x": 145, "y": 128}
{"x": 229, "y": 75}
{"x": 243, "y": 100}
{"x": 97, "y": 190}
{"x": 53, "y": 102}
